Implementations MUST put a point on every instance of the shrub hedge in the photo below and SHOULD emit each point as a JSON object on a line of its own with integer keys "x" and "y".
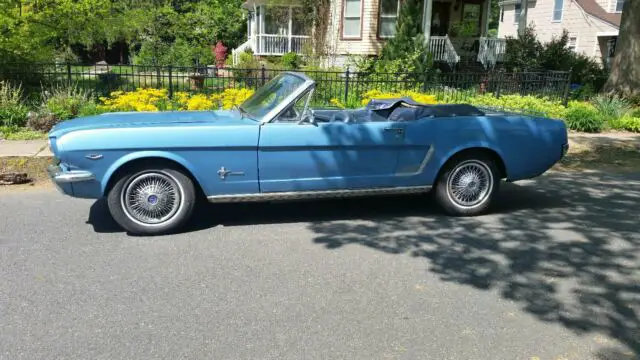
{"x": 64, "y": 103}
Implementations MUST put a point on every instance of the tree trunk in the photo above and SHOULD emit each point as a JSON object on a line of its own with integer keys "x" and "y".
{"x": 624, "y": 78}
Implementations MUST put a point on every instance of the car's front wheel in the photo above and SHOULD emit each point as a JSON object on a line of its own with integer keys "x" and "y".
{"x": 467, "y": 184}
{"x": 152, "y": 200}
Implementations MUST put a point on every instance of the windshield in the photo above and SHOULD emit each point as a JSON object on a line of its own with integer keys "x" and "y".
{"x": 271, "y": 95}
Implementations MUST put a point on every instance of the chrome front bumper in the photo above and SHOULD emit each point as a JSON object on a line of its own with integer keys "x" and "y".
{"x": 63, "y": 179}
{"x": 58, "y": 175}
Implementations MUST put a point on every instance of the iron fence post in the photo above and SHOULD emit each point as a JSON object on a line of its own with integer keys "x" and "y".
{"x": 68, "y": 73}
{"x": 263, "y": 75}
{"x": 498, "y": 84}
{"x": 170, "y": 82}
{"x": 346, "y": 86}
{"x": 565, "y": 96}
{"x": 158, "y": 79}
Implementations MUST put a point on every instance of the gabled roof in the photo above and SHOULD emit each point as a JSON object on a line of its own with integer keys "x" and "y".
{"x": 592, "y": 8}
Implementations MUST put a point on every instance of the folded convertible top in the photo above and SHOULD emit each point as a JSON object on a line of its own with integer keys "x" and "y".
{"x": 407, "y": 109}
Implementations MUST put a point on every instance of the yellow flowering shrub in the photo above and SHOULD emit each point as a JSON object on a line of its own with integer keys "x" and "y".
{"x": 139, "y": 100}
{"x": 416, "y": 96}
{"x": 200, "y": 102}
{"x": 231, "y": 97}
{"x": 145, "y": 99}
{"x": 337, "y": 103}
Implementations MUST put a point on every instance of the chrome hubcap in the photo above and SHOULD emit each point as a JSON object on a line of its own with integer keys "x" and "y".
{"x": 470, "y": 184}
{"x": 152, "y": 198}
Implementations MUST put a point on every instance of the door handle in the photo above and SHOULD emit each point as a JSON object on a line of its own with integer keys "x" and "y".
{"x": 398, "y": 131}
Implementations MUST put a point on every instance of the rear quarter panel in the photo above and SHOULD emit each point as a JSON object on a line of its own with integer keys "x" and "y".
{"x": 528, "y": 146}
{"x": 201, "y": 148}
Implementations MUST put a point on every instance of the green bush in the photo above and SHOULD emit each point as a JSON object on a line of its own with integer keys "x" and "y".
{"x": 584, "y": 117}
{"x": 61, "y": 103}
{"x": 247, "y": 72}
{"x": 64, "y": 101}
{"x": 530, "y": 104}
{"x": 290, "y": 61}
{"x": 612, "y": 108}
{"x": 12, "y": 111}
{"x": 626, "y": 123}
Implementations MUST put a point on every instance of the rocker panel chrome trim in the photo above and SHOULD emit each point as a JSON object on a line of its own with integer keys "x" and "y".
{"x": 325, "y": 194}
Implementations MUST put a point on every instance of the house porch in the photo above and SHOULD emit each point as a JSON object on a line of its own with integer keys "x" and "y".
{"x": 456, "y": 30}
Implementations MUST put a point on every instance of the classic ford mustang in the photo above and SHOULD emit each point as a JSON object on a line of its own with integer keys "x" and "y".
{"x": 153, "y": 167}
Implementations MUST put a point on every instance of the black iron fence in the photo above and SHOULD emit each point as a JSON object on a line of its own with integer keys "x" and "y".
{"x": 347, "y": 86}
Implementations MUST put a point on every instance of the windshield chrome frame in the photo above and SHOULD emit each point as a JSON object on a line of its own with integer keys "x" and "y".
{"x": 289, "y": 100}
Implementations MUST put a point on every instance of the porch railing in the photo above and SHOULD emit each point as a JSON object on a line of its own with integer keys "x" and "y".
{"x": 491, "y": 51}
{"x": 443, "y": 50}
{"x": 280, "y": 44}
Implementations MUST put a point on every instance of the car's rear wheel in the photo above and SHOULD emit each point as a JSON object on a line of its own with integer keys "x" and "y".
{"x": 152, "y": 200}
{"x": 467, "y": 184}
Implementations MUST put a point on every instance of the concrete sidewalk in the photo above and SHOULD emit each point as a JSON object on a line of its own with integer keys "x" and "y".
{"x": 24, "y": 148}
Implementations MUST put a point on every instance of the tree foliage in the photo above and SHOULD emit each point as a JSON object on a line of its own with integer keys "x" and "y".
{"x": 39, "y": 30}
{"x": 408, "y": 43}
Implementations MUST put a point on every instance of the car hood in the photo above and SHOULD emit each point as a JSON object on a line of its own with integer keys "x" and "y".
{"x": 145, "y": 119}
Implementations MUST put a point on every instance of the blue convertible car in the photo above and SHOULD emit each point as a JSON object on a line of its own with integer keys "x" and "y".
{"x": 154, "y": 167}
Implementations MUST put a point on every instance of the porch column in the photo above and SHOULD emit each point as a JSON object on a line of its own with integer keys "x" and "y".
{"x": 426, "y": 19}
{"x": 254, "y": 29}
{"x": 290, "y": 28}
{"x": 484, "y": 31}
{"x": 261, "y": 29}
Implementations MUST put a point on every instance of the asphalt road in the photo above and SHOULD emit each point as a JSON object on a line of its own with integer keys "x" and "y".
{"x": 553, "y": 273}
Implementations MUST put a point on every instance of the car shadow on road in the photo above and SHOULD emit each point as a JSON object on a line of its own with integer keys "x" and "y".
{"x": 566, "y": 248}
{"x": 512, "y": 197}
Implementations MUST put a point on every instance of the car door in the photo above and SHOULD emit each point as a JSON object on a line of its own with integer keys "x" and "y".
{"x": 417, "y": 165}
{"x": 328, "y": 155}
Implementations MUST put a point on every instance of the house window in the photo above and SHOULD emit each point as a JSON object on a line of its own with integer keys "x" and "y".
{"x": 557, "y": 10}
{"x": 619, "y": 5}
{"x": 573, "y": 42}
{"x": 517, "y": 14}
{"x": 351, "y": 21}
{"x": 387, "y": 18}
{"x": 501, "y": 14}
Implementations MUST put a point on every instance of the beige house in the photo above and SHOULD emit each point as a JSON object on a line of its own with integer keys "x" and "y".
{"x": 592, "y": 24}
{"x": 361, "y": 27}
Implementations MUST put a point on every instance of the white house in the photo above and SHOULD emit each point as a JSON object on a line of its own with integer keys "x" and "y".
{"x": 592, "y": 24}
{"x": 361, "y": 27}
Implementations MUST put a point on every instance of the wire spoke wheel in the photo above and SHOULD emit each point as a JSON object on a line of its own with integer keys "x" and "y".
{"x": 152, "y": 198}
{"x": 470, "y": 184}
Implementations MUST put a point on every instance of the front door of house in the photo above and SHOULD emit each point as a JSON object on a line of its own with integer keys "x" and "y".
{"x": 440, "y": 15}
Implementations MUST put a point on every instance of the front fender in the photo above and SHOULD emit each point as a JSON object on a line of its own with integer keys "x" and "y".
{"x": 141, "y": 155}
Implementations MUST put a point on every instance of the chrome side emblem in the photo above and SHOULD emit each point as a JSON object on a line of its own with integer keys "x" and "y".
{"x": 94, "y": 156}
{"x": 224, "y": 173}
